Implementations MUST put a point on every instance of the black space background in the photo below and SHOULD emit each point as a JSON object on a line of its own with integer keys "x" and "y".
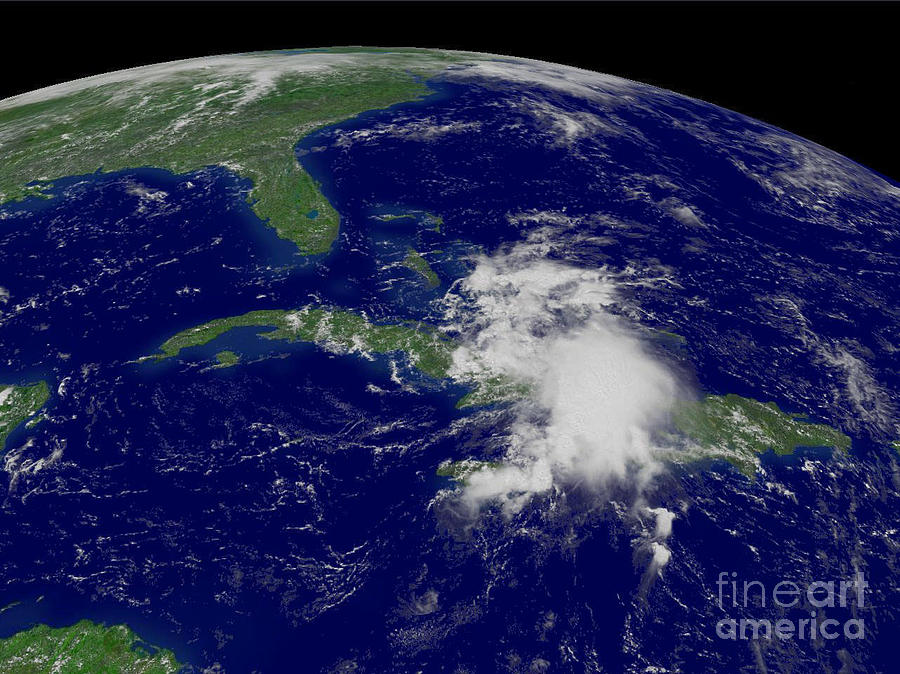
{"x": 826, "y": 71}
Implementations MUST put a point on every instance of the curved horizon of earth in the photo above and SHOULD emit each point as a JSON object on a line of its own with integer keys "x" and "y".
{"x": 414, "y": 360}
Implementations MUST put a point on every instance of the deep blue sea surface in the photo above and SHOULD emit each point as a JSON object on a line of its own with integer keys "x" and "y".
{"x": 279, "y": 516}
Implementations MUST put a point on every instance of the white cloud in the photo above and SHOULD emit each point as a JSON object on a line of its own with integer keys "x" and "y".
{"x": 597, "y": 392}
{"x": 256, "y": 73}
{"x": 412, "y": 129}
{"x": 664, "y": 520}
{"x": 686, "y": 215}
{"x": 870, "y": 400}
{"x": 661, "y": 555}
{"x": 565, "y": 79}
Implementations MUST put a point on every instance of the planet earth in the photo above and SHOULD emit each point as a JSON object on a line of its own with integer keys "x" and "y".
{"x": 401, "y": 360}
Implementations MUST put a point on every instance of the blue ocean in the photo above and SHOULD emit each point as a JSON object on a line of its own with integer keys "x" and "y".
{"x": 281, "y": 515}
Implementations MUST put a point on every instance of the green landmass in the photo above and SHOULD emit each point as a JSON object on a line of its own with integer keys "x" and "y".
{"x": 729, "y": 428}
{"x": 427, "y": 349}
{"x": 34, "y": 421}
{"x": 458, "y": 471}
{"x": 737, "y": 430}
{"x": 227, "y": 358}
{"x": 199, "y": 116}
{"x": 896, "y": 446}
{"x": 436, "y": 221}
{"x": 494, "y": 390}
{"x": 419, "y": 264}
{"x": 85, "y": 647}
{"x": 18, "y": 403}
{"x": 391, "y": 217}
{"x": 669, "y": 337}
